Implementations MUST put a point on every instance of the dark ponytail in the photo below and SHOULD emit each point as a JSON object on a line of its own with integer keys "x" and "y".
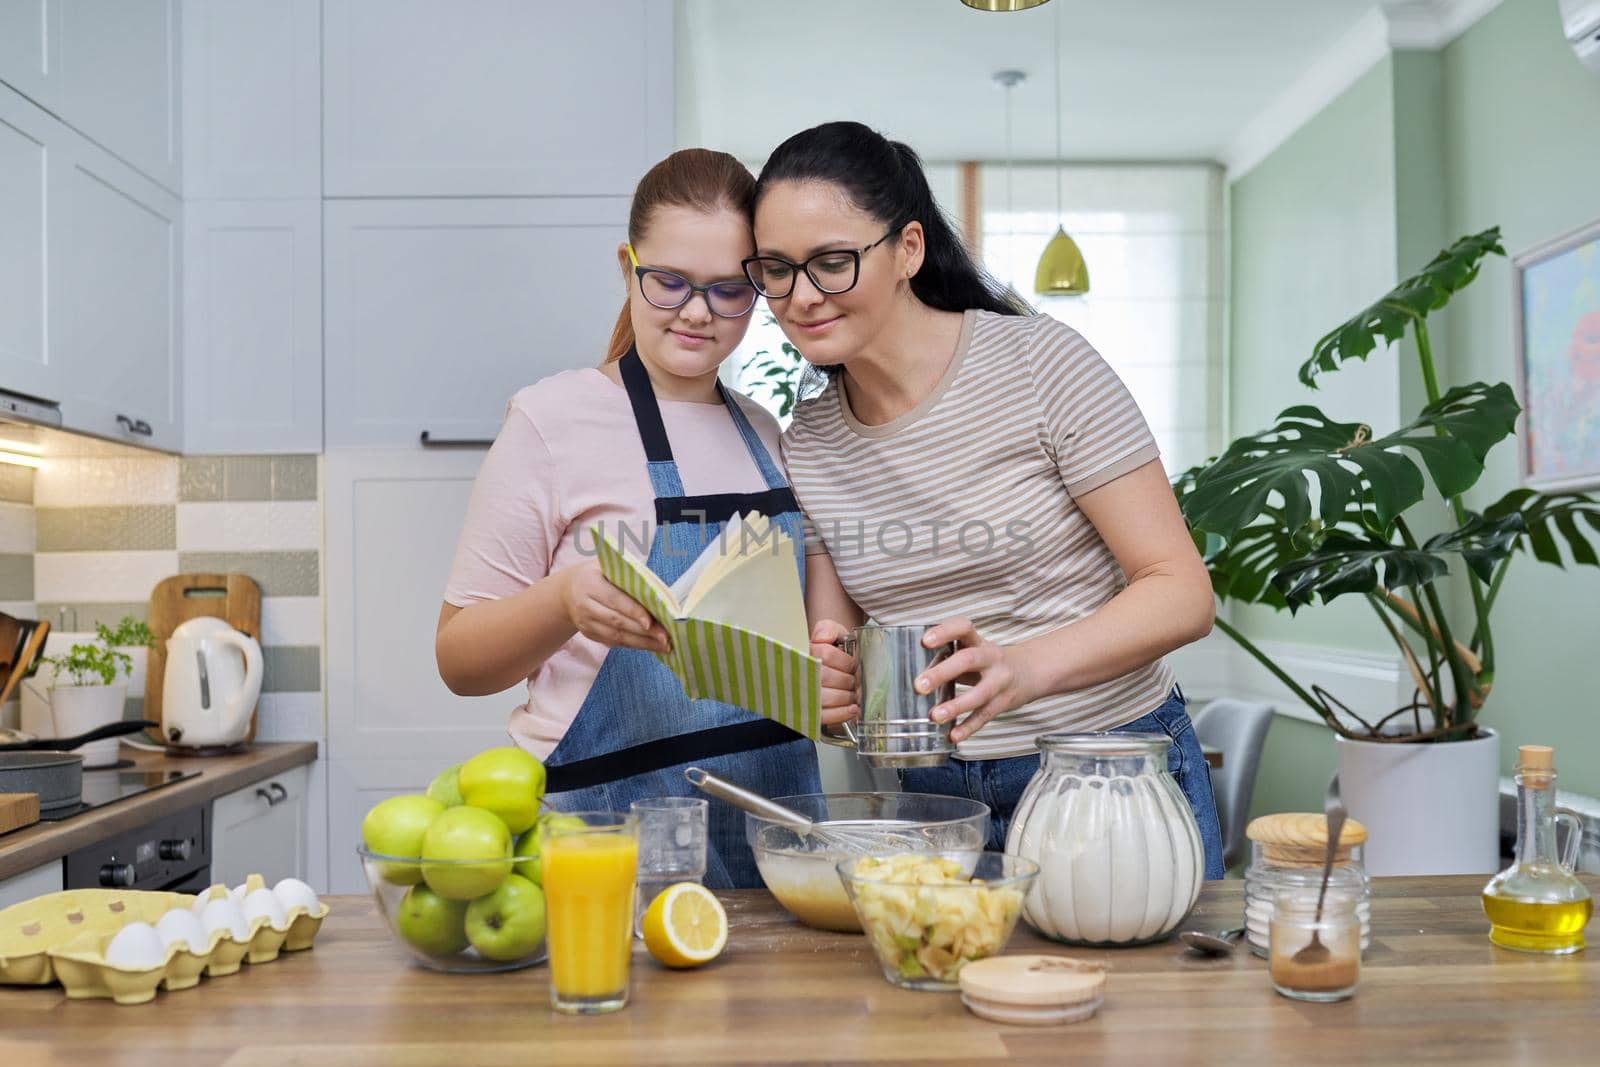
{"x": 884, "y": 178}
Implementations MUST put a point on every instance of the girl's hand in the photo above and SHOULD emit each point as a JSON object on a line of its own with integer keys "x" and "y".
{"x": 838, "y": 673}
{"x": 602, "y": 612}
{"x": 996, "y": 674}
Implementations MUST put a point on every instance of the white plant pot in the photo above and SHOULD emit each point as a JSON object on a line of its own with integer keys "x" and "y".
{"x": 77, "y": 709}
{"x": 1428, "y": 809}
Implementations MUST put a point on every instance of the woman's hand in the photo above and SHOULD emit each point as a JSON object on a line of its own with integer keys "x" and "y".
{"x": 838, "y": 672}
{"x": 997, "y": 674}
{"x": 602, "y": 612}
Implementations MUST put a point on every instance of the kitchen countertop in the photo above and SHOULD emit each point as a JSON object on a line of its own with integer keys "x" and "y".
{"x": 25, "y": 849}
{"x": 1433, "y": 989}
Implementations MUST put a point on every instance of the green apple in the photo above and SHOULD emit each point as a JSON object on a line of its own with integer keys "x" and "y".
{"x": 506, "y": 781}
{"x": 531, "y": 844}
{"x": 466, "y": 833}
{"x": 395, "y": 827}
{"x": 431, "y": 923}
{"x": 446, "y": 786}
{"x": 508, "y": 924}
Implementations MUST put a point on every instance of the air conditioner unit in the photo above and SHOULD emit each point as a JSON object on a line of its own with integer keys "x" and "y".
{"x": 1581, "y": 21}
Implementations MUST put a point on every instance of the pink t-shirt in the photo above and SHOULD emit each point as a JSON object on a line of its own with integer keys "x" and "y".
{"x": 568, "y": 456}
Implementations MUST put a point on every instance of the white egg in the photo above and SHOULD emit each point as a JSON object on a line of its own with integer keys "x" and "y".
{"x": 263, "y": 903}
{"x": 222, "y": 914}
{"x": 137, "y": 947}
{"x": 181, "y": 927}
{"x": 292, "y": 893}
{"x": 237, "y": 895}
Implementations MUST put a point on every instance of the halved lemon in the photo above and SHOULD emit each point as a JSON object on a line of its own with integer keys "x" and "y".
{"x": 685, "y": 926}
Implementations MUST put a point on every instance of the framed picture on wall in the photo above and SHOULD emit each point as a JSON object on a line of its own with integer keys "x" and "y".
{"x": 1557, "y": 331}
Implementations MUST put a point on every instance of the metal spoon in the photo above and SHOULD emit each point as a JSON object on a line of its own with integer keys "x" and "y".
{"x": 1208, "y": 944}
{"x": 1316, "y": 953}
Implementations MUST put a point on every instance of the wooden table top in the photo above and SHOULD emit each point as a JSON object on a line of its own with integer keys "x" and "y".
{"x": 1433, "y": 989}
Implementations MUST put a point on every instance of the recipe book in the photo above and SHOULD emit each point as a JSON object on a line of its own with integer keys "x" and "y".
{"x": 737, "y": 621}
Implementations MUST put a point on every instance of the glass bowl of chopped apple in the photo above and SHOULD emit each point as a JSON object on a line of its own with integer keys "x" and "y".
{"x": 928, "y": 915}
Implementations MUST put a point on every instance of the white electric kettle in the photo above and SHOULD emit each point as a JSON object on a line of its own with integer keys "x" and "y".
{"x": 212, "y": 680}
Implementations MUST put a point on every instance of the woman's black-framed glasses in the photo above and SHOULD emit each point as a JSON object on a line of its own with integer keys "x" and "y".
{"x": 833, "y": 272}
{"x": 669, "y": 291}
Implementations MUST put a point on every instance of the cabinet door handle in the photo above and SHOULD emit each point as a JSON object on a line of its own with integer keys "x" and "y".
{"x": 279, "y": 791}
{"x": 272, "y": 801}
{"x": 429, "y": 441}
{"x": 135, "y": 426}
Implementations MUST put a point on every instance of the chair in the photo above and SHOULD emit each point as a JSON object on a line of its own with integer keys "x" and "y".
{"x": 1238, "y": 729}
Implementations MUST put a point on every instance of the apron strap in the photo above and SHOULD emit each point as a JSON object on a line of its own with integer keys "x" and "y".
{"x": 667, "y": 752}
{"x": 646, "y": 412}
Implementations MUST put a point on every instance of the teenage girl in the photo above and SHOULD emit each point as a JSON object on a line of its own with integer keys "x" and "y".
{"x": 652, "y": 449}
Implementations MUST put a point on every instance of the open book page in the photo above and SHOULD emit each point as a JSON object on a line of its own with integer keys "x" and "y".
{"x": 756, "y": 586}
{"x": 744, "y": 640}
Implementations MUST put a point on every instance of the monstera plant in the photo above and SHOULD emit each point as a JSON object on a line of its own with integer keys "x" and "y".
{"x": 1312, "y": 509}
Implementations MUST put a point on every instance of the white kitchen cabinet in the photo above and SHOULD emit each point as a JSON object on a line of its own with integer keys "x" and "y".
{"x": 115, "y": 301}
{"x": 437, "y": 311}
{"x": 392, "y": 522}
{"x": 252, "y": 99}
{"x": 31, "y": 169}
{"x": 30, "y": 47}
{"x": 261, "y": 829}
{"x": 107, "y": 68}
{"x": 120, "y": 80}
{"x": 252, "y": 351}
{"x": 45, "y": 878}
{"x": 495, "y": 97}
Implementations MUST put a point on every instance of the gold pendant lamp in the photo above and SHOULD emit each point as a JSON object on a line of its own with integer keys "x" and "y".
{"x": 1062, "y": 271}
{"x": 1003, "y": 5}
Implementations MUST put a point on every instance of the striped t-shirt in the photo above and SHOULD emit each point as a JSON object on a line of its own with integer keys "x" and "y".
{"x": 964, "y": 506}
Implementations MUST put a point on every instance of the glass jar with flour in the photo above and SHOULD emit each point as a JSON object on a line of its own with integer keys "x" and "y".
{"x": 1119, "y": 853}
{"x": 1286, "y": 855}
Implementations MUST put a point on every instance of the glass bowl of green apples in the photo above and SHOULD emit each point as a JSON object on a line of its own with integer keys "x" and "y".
{"x": 456, "y": 873}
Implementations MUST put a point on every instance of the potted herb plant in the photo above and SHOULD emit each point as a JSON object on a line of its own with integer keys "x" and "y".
{"x": 1312, "y": 509}
{"x": 87, "y": 686}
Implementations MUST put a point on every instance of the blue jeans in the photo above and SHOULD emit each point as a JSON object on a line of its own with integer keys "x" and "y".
{"x": 999, "y": 782}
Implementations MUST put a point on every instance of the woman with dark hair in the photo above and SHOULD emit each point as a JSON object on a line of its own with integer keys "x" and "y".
{"x": 973, "y": 463}
{"x": 650, "y": 447}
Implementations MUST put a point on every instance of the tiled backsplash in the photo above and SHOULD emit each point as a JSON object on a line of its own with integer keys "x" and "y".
{"x": 85, "y": 539}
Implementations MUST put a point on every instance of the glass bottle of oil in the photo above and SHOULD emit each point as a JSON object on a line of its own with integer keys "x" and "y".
{"x": 1537, "y": 904}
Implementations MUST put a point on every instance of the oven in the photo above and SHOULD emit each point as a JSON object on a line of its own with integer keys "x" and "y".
{"x": 171, "y": 854}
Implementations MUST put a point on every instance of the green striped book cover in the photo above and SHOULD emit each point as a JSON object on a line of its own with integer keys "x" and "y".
{"x": 719, "y": 661}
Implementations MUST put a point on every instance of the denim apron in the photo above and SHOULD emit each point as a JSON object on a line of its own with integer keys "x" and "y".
{"x": 637, "y": 729}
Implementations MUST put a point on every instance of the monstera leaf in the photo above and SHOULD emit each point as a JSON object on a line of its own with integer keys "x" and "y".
{"x": 1346, "y": 466}
{"x": 1350, "y": 563}
{"x": 1548, "y": 516}
{"x": 1410, "y": 301}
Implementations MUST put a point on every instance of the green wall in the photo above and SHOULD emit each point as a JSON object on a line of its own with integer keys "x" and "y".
{"x": 1502, "y": 126}
{"x": 1522, "y": 150}
{"x": 1311, "y": 241}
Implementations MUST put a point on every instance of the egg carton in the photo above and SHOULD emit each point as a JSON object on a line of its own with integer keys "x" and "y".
{"x": 65, "y": 937}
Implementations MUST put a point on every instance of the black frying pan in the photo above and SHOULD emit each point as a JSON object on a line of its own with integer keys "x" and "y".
{"x": 22, "y": 741}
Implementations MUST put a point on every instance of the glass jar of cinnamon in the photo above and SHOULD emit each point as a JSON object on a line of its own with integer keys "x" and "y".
{"x": 1314, "y": 956}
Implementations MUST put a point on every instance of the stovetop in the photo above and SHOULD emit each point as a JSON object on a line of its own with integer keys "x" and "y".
{"x": 108, "y": 785}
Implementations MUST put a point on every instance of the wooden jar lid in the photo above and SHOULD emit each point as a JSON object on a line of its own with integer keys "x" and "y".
{"x": 1034, "y": 980}
{"x": 1302, "y": 837}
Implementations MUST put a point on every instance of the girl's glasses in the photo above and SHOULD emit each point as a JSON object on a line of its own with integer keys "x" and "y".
{"x": 669, "y": 291}
{"x": 833, "y": 272}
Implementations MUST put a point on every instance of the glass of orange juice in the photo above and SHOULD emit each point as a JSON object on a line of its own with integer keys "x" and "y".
{"x": 591, "y": 860}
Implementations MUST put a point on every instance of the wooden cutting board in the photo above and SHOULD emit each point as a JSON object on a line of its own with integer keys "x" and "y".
{"x": 18, "y": 810}
{"x": 234, "y": 598}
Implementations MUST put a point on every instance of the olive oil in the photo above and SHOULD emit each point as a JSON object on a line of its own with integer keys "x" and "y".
{"x": 1537, "y": 904}
{"x": 1536, "y": 925}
